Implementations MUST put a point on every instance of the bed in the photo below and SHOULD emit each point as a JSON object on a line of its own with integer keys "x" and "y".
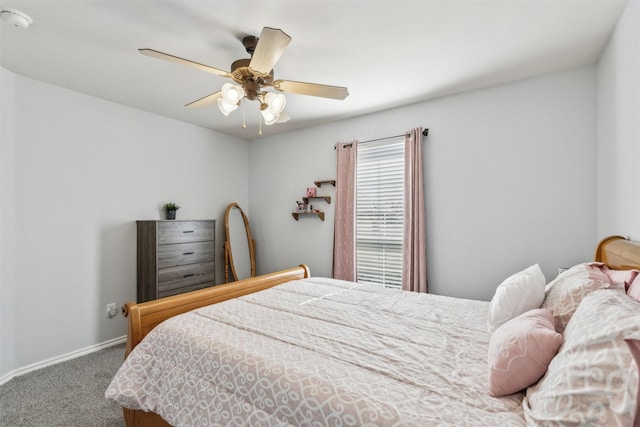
{"x": 288, "y": 349}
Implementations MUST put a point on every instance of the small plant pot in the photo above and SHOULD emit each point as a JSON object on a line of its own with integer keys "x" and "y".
{"x": 171, "y": 214}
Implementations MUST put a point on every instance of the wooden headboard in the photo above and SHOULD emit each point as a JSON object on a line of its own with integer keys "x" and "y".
{"x": 618, "y": 253}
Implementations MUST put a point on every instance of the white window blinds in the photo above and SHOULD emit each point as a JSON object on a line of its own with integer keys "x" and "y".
{"x": 379, "y": 212}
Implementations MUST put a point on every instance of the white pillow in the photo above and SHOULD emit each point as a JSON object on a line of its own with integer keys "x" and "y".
{"x": 518, "y": 294}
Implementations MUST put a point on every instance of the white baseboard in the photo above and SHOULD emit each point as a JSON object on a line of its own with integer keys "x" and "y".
{"x": 62, "y": 358}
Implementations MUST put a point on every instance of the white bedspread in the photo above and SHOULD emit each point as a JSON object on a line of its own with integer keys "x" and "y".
{"x": 319, "y": 352}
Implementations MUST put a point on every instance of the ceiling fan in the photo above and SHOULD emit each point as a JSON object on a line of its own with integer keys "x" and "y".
{"x": 252, "y": 76}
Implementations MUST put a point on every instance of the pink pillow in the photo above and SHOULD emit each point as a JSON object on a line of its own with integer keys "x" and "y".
{"x": 634, "y": 288}
{"x": 520, "y": 351}
{"x": 634, "y": 346}
{"x": 622, "y": 276}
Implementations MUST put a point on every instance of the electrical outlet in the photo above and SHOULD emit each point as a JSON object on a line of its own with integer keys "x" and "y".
{"x": 112, "y": 309}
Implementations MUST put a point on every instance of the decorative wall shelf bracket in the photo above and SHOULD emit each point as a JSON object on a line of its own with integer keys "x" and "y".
{"x": 326, "y": 198}
{"x": 326, "y": 181}
{"x": 296, "y": 215}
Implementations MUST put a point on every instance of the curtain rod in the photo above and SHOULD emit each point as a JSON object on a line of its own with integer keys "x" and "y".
{"x": 425, "y": 132}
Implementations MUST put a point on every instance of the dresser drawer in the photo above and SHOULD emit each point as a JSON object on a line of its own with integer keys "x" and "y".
{"x": 185, "y": 253}
{"x": 173, "y": 278}
{"x": 185, "y": 278}
{"x": 176, "y": 291}
{"x": 185, "y": 231}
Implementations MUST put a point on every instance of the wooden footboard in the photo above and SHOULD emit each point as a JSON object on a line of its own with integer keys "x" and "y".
{"x": 143, "y": 317}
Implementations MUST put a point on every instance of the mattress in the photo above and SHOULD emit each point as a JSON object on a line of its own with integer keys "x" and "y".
{"x": 319, "y": 352}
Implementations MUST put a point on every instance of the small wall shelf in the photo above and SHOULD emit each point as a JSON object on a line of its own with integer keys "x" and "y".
{"x": 326, "y": 181}
{"x": 307, "y": 199}
{"x": 325, "y": 198}
{"x": 296, "y": 215}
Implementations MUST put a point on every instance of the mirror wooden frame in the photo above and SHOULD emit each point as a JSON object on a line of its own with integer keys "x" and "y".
{"x": 229, "y": 266}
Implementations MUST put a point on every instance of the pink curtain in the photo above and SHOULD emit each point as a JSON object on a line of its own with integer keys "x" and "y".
{"x": 414, "y": 256}
{"x": 344, "y": 236}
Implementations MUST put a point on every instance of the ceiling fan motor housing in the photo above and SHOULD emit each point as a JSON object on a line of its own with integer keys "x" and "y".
{"x": 250, "y": 81}
{"x": 250, "y": 43}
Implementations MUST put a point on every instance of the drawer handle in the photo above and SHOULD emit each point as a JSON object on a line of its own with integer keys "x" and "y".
{"x": 189, "y": 275}
{"x": 188, "y": 231}
{"x": 187, "y": 253}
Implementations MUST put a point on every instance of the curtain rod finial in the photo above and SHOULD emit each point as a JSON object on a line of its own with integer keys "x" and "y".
{"x": 425, "y": 132}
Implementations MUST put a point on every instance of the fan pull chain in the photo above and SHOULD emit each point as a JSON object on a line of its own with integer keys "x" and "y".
{"x": 244, "y": 116}
{"x": 260, "y": 131}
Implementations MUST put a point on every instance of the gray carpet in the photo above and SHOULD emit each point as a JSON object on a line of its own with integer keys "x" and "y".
{"x": 67, "y": 394}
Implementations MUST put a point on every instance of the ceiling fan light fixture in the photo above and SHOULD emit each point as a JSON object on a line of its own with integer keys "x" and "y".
{"x": 276, "y": 102}
{"x": 269, "y": 116}
{"x": 284, "y": 117}
{"x": 225, "y": 107}
{"x": 231, "y": 97}
{"x": 232, "y": 94}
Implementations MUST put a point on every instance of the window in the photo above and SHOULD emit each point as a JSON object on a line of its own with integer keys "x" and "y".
{"x": 380, "y": 212}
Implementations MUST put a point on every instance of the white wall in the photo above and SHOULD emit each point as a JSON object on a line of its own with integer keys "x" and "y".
{"x": 619, "y": 129}
{"x": 510, "y": 181}
{"x": 77, "y": 172}
{"x": 509, "y": 170}
{"x": 7, "y": 219}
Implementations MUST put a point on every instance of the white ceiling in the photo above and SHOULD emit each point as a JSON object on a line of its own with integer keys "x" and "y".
{"x": 388, "y": 53}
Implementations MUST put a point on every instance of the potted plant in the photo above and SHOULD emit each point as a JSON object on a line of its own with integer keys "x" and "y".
{"x": 170, "y": 209}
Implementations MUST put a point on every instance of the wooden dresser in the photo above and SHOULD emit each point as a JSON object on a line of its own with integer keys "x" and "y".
{"x": 175, "y": 257}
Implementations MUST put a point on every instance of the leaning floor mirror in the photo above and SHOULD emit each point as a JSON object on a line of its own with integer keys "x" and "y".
{"x": 239, "y": 246}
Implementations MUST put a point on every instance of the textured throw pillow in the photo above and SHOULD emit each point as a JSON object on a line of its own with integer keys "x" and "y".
{"x": 565, "y": 292}
{"x": 520, "y": 351}
{"x": 634, "y": 346}
{"x": 593, "y": 380}
{"x": 518, "y": 294}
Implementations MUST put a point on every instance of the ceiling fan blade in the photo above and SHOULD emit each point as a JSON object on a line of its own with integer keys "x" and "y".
{"x": 270, "y": 48}
{"x": 204, "y": 101}
{"x": 312, "y": 89}
{"x": 178, "y": 60}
